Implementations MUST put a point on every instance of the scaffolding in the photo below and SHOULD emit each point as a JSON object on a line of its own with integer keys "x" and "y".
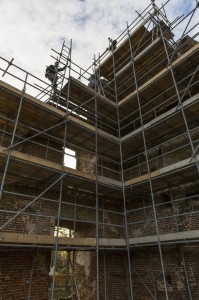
{"x": 132, "y": 120}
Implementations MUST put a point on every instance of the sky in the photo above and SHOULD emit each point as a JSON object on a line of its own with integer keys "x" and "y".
{"x": 30, "y": 28}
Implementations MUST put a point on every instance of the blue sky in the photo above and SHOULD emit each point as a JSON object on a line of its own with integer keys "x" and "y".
{"x": 29, "y": 29}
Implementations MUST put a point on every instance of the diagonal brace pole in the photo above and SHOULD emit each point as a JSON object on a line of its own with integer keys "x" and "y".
{"x": 34, "y": 200}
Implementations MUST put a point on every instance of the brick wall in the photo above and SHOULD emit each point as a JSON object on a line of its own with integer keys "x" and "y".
{"x": 147, "y": 270}
{"x": 41, "y": 216}
{"x": 147, "y": 277}
{"x": 181, "y": 215}
{"x": 32, "y": 220}
{"x": 23, "y": 273}
{"x": 169, "y": 153}
{"x": 43, "y": 148}
{"x": 141, "y": 218}
{"x": 16, "y": 265}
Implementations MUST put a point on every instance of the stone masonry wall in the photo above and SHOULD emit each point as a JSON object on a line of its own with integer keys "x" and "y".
{"x": 112, "y": 275}
{"x": 147, "y": 277}
{"x": 86, "y": 162}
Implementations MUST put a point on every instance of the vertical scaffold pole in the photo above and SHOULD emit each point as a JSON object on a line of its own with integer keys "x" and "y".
{"x": 96, "y": 183}
{"x": 123, "y": 185}
{"x": 61, "y": 183}
{"x": 147, "y": 162}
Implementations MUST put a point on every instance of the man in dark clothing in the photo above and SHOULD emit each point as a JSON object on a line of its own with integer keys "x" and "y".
{"x": 51, "y": 74}
{"x": 113, "y": 44}
{"x": 93, "y": 81}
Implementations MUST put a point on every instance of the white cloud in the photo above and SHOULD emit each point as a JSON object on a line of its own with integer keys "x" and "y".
{"x": 29, "y": 29}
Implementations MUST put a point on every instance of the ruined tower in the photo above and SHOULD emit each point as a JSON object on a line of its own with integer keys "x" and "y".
{"x": 128, "y": 212}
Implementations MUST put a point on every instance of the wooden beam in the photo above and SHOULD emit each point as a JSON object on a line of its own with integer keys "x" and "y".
{"x": 163, "y": 171}
{"x": 30, "y": 98}
{"x": 164, "y": 116}
{"x": 160, "y": 74}
{"x": 101, "y": 97}
{"x": 17, "y": 238}
{"x": 27, "y": 158}
{"x": 48, "y": 240}
{"x": 59, "y": 113}
{"x": 167, "y": 237}
{"x": 27, "y": 239}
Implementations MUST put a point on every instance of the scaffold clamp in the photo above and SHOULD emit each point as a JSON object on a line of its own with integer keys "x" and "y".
{"x": 9, "y": 64}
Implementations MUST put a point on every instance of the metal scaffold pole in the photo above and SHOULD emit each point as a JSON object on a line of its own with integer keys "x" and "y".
{"x": 96, "y": 182}
{"x": 123, "y": 184}
{"x": 62, "y": 178}
{"x": 148, "y": 168}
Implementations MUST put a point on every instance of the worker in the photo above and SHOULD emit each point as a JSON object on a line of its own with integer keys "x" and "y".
{"x": 97, "y": 84}
{"x": 113, "y": 44}
{"x": 93, "y": 81}
{"x": 103, "y": 81}
{"x": 51, "y": 74}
